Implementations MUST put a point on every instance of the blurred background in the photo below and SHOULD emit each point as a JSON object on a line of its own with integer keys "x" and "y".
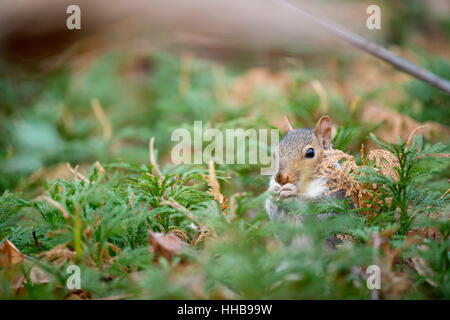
{"x": 138, "y": 69}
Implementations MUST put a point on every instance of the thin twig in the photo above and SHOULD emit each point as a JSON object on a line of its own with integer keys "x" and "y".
{"x": 199, "y": 239}
{"x": 36, "y": 241}
{"x": 445, "y": 193}
{"x": 56, "y": 204}
{"x": 215, "y": 187}
{"x": 130, "y": 199}
{"x": 375, "y": 50}
{"x": 76, "y": 173}
{"x": 100, "y": 167}
{"x": 152, "y": 158}
{"x": 101, "y": 117}
{"x": 412, "y": 134}
{"x": 194, "y": 238}
{"x": 233, "y": 203}
{"x": 174, "y": 204}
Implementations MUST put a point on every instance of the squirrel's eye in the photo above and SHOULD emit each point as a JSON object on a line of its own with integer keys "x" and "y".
{"x": 309, "y": 153}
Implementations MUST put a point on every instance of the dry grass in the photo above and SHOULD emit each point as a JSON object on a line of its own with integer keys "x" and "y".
{"x": 343, "y": 176}
{"x": 215, "y": 188}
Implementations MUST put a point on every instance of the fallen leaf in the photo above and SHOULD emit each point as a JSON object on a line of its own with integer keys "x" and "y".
{"x": 9, "y": 254}
{"x": 37, "y": 276}
{"x": 165, "y": 245}
{"x": 10, "y": 257}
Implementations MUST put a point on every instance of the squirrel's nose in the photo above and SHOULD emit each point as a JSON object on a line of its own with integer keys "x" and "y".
{"x": 281, "y": 179}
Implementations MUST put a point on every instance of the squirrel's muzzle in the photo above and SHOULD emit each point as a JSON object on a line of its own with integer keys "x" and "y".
{"x": 282, "y": 179}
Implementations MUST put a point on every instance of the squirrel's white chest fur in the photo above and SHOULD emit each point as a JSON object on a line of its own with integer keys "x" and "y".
{"x": 315, "y": 188}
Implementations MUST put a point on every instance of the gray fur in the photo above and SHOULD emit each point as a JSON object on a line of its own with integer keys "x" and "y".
{"x": 299, "y": 138}
{"x": 305, "y": 136}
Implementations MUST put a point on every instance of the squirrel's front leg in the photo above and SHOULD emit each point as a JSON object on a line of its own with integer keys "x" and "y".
{"x": 275, "y": 212}
{"x": 276, "y": 193}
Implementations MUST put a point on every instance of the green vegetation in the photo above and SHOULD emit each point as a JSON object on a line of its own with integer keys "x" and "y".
{"x": 99, "y": 219}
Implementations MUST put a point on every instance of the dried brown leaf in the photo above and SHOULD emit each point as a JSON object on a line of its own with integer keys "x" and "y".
{"x": 9, "y": 254}
{"x": 165, "y": 245}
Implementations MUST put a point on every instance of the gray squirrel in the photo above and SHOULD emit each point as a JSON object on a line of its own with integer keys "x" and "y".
{"x": 295, "y": 178}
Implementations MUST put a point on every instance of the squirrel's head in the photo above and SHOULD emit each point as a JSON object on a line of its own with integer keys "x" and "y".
{"x": 301, "y": 151}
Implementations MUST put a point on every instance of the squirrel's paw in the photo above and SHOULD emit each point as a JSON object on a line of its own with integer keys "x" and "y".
{"x": 274, "y": 189}
{"x": 282, "y": 192}
{"x": 288, "y": 191}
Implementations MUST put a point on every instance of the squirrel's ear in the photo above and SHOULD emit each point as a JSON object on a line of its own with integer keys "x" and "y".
{"x": 287, "y": 125}
{"x": 322, "y": 130}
